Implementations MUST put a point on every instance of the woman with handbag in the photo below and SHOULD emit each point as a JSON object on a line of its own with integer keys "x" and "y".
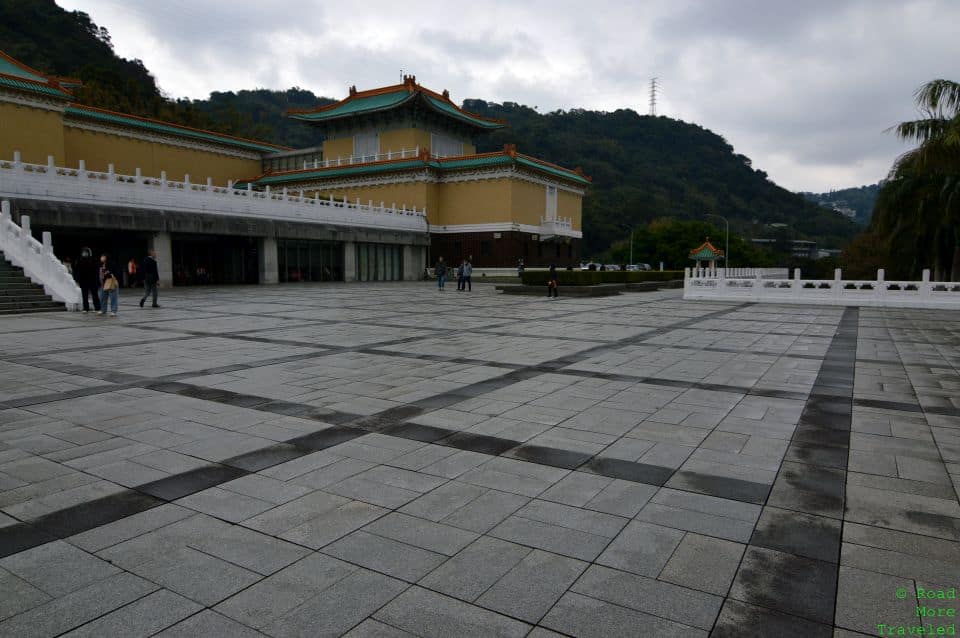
{"x": 109, "y": 286}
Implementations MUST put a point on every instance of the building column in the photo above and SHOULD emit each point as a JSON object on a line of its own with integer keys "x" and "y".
{"x": 269, "y": 268}
{"x": 349, "y": 261}
{"x": 161, "y": 243}
{"x": 411, "y": 270}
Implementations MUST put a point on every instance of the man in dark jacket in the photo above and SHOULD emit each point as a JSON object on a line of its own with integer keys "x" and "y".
{"x": 87, "y": 272}
{"x": 151, "y": 277}
{"x": 441, "y": 271}
{"x": 553, "y": 282}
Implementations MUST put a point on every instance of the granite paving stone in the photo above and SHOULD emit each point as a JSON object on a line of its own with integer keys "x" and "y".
{"x": 333, "y": 460}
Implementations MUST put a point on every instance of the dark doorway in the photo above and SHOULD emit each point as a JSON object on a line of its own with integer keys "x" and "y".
{"x": 209, "y": 259}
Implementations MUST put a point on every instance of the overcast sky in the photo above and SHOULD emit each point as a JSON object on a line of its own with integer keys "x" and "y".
{"x": 804, "y": 88}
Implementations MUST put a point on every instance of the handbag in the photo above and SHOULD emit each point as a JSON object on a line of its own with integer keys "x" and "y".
{"x": 110, "y": 283}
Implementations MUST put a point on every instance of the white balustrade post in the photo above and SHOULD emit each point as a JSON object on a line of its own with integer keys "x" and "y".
{"x": 267, "y": 191}
{"x": 358, "y": 203}
{"x": 186, "y": 182}
{"x": 229, "y": 184}
{"x": 837, "y": 284}
{"x": 926, "y": 289}
{"x": 139, "y": 176}
{"x": 369, "y": 204}
{"x": 393, "y": 207}
{"x": 250, "y": 187}
{"x": 331, "y": 199}
{"x": 209, "y": 183}
{"x": 284, "y": 192}
{"x": 16, "y": 159}
{"x": 82, "y": 169}
{"x": 797, "y": 284}
{"x": 51, "y": 166}
{"x": 381, "y": 206}
{"x": 163, "y": 180}
{"x": 4, "y": 212}
{"x": 25, "y": 236}
{"x": 880, "y": 288}
{"x": 110, "y": 171}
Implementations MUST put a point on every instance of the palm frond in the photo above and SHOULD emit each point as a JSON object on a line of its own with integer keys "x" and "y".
{"x": 940, "y": 96}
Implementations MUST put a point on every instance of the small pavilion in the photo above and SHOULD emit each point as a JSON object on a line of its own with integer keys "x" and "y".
{"x": 708, "y": 253}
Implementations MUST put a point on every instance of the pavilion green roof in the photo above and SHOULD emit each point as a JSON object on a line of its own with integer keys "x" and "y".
{"x": 706, "y": 251}
{"x": 392, "y": 97}
{"x": 157, "y": 126}
{"x": 446, "y": 164}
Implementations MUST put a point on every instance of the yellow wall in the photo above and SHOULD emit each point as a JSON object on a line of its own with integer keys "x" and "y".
{"x": 570, "y": 205}
{"x": 481, "y": 202}
{"x": 36, "y": 133}
{"x": 127, "y": 154}
{"x": 528, "y": 202}
{"x": 411, "y": 194}
{"x": 341, "y": 147}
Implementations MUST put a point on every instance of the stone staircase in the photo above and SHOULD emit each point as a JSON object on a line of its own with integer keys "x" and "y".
{"x": 19, "y": 295}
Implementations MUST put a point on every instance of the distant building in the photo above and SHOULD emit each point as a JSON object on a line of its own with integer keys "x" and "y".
{"x": 798, "y": 247}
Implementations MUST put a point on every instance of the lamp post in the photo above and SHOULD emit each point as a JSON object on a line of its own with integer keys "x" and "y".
{"x": 726, "y": 252}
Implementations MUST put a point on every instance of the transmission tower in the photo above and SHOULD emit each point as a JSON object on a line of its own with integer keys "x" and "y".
{"x": 653, "y": 96}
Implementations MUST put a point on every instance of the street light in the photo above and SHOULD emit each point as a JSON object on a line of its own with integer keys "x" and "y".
{"x": 726, "y": 253}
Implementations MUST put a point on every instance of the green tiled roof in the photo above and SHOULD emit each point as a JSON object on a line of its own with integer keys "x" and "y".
{"x": 705, "y": 253}
{"x": 17, "y": 77}
{"x": 357, "y": 106}
{"x": 340, "y": 171}
{"x": 451, "y": 110}
{"x": 362, "y": 104}
{"x": 44, "y": 89}
{"x": 77, "y": 110}
{"x": 453, "y": 164}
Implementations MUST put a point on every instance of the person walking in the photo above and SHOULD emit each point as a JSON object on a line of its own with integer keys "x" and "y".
{"x": 151, "y": 277}
{"x": 441, "y": 271}
{"x": 460, "y": 275}
{"x": 553, "y": 283}
{"x": 87, "y": 276}
{"x": 467, "y": 273}
{"x": 109, "y": 286}
{"x": 131, "y": 273}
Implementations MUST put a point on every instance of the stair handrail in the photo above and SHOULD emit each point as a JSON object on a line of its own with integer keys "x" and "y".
{"x": 37, "y": 259}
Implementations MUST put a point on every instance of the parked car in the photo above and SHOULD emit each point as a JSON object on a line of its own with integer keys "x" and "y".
{"x": 613, "y": 267}
{"x": 590, "y": 266}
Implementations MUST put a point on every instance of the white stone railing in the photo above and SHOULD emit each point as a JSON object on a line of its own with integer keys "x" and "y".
{"x": 559, "y": 226}
{"x": 743, "y": 273}
{"x": 836, "y": 291}
{"x": 404, "y": 153}
{"x": 79, "y": 185}
{"x": 36, "y": 259}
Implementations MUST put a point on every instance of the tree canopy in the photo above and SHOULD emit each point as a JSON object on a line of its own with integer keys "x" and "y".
{"x": 916, "y": 223}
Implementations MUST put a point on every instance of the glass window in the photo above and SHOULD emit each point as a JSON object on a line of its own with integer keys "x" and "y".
{"x": 551, "y": 209}
{"x": 366, "y": 146}
{"x": 445, "y": 145}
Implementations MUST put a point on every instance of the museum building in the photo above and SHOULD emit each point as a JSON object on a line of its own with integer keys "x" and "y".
{"x": 395, "y": 183}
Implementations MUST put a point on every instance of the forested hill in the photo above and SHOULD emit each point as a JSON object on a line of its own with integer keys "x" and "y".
{"x": 648, "y": 167}
{"x": 860, "y": 199}
{"x": 643, "y": 167}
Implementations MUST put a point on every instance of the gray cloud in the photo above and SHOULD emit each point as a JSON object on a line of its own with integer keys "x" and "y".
{"x": 805, "y": 89}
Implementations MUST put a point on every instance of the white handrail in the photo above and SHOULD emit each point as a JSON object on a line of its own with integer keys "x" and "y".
{"x": 404, "y": 153}
{"x": 78, "y": 185}
{"x": 708, "y": 285}
{"x": 37, "y": 259}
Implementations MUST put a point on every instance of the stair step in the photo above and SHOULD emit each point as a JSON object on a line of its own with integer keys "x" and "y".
{"x": 26, "y": 303}
{"x": 33, "y": 291}
{"x": 30, "y": 311}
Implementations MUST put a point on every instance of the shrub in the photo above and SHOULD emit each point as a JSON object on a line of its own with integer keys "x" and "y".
{"x": 591, "y": 277}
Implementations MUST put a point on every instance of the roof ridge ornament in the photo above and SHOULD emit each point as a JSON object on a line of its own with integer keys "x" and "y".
{"x": 353, "y": 90}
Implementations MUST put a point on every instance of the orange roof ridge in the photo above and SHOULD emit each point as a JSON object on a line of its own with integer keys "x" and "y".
{"x": 551, "y": 164}
{"x": 183, "y": 126}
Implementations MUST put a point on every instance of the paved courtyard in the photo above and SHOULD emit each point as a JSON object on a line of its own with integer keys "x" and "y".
{"x": 388, "y": 460}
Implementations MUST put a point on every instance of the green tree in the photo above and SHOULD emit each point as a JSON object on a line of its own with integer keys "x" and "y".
{"x": 917, "y": 218}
